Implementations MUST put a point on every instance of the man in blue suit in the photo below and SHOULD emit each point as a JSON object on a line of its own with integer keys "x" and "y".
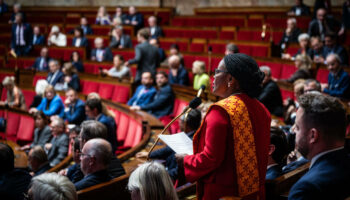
{"x": 145, "y": 92}
{"x": 99, "y": 53}
{"x": 55, "y": 75}
{"x": 75, "y": 108}
{"x": 320, "y": 135}
{"x": 38, "y": 39}
{"x": 95, "y": 158}
{"x": 42, "y": 63}
{"x": 155, "y": 30}
{"x": 163, "y": 101}
{"x": 93, "y": 110}
{"x": 331, "y": 46}
{"x": 134, "y": 18}
{"x": 22, "y": 36}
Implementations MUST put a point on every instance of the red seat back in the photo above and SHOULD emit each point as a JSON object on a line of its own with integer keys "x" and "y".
{"x": 89, "y": 86}
{"x": 322, "y": 75}
{"x": 13, "y": 120}
{"x": 121, "y": 93}
{"x": 26, "y": 129}
{"x": 106, "y": 90}
{"x": 123, "y": 127}
{"x": 287, "y": 71}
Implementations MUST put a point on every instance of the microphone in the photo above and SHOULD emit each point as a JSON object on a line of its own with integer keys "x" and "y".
{"x": 200, "y": 91}
{"x": 195, "y": 103}
{"x": 263, "y": 33}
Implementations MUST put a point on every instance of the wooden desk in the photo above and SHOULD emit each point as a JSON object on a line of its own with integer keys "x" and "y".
{"x": 21, "y": 158}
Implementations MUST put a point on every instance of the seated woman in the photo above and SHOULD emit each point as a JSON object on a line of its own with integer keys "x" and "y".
{"x": 51, "y": 104}
{"x": 102, "y": 17}
{"x": 79, "y": 40}
{"x": 151, "y": 181}
{"x": 119, "y": 70}
{"x": 15, "y": 96}
{"x": 42, "y": 132}
{"x": 303, "y": 63}
{"x": 200, "y": 78}
{"x": 303, "y": 40}
{"x": 39, "y": 92}
{"x": 71, "y": 78}
{"x": 76, "y": 61}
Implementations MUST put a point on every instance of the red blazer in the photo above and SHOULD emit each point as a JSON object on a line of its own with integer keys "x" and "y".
{"x": 213, "y": 163}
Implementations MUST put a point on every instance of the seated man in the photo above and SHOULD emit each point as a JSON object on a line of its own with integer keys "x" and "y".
{"x": 56, "y": 38}
{"x": 74, "y": 108}
{"x": 21, "y": 37}
{"x": 155, "y": 30}
{"x": 178, "y": 74}
{"x": 95, "y": 158}
{"x": 331, "y": 46}
{"x": 58, "y": 147}
{"x": 145, "y": 92}
{"x": 291, "y": 33}
{"x": 134, "y": 18}
{"x": 161, "y": 52}
{"x": 320, "y": 135}
{"x": 163, "y": 102}
{"x": 312, "y": 86}
{"x": 42, "y": 63}
{"x": 55, "y": 74}
{"x": 13, "y": 182}
{"x": 278, "y": 151}
{"x": 38, "y": 38}
{"x": 99, "y": 53}
{"x": 338, "y": 79}
{"x": 119, "y": 39}
{"x": 93, "y": 110}
{"x": 270, "y": 95}
{"x": 323, "y": 24}
{"x": 316, "y": 50}
{"x": 37, "y": 161}
{"x": 85, "y": 26}
{"x": 299, "y": 9}
{"x": 189, "y": 123}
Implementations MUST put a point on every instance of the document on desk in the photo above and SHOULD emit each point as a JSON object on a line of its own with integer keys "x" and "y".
{"x": 178, "y": 142}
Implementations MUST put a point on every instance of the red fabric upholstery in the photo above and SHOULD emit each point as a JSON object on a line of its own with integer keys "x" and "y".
{"x": 322, "y": 75}
{"x": 197, "y": 47}
{"x": 130, "y": 136}
{"x": 89, "y": 87}
{"x": 36, "y": 78}
{"x": 226, "y": 35}
{"x": 106, "y": 90}
{"x": 123, "y": 127}
{"x": 276, "y": 68}
{"x": 287, "y": 94}
{"x": 3, "y": 94}
{"x": 207, "y": 21}
{"x": 21, "y": 63}
{"x": 101, "y": 30}
{"x": 190, "y": 33}
{"x": 126, "y": 54}
{"x": 121, "y": 94}
{"x": 165, "y": 44}
{"x": 28, "y": 96}
{"x": 13, "y": 120}
{"x": 292, "y": 50}
{"x": 254, "y": 23}
{"x": 287, "y": 71}
{"x": 26, "y": 129}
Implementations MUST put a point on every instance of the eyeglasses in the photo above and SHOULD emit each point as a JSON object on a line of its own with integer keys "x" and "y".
{"x": 84, "y": 154}
{"x": 217, "y": 71}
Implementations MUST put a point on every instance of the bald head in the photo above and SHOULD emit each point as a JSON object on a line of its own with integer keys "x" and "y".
{"x": 174, "y": 62}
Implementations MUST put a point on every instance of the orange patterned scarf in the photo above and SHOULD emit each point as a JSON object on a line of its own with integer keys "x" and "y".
{"x": 244, "y": 145}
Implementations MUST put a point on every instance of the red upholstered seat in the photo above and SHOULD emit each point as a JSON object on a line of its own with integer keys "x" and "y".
{"x": 26, "y": 129}
{"x": 287, "y": 94}
{"x": 292, "y": 50}
{"x": 197, "y": 47}
{"x": 126, "y": 54}
{"x": 165, "y": 43}
{"x": 130, "y": 136}
{"x": 106, "y": 90}
{"x": 255, "y": 22}
{"x": 322, "y": 75}
{"x": 36, "y": 78}
{"x": 123, "y": 127}
{"x": 28, "y": 96}
{"x": 276, "y": 69}
{"x": 94, "y": 67}
{"x": 101, "y": 30}
{"x": 121, "y": 94}
{"x": 13, "y": 120}
{"x": 287, "y": 71}
{"x": 3, "y": 94}
{"x": 89, "y": 86}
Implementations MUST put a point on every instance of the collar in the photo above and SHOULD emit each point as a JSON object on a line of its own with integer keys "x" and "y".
{"x": 272, "y": 165}
{"x": 315, "y": 158}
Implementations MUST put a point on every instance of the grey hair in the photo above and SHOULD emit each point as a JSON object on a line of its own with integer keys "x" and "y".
{"x": 303, "y": 36}
{"x": 17, "y": 5}
{"x": 153, "y": 182}
{"x": 51, "y": 186}
{"x": 267, "y": 69}
{"x": 54, "y": 61}
{"x": 93, "y": 129}
{"x": 336, "y": 56}
{"x": 9, "y": 80}
{"x": 101, "y": 149}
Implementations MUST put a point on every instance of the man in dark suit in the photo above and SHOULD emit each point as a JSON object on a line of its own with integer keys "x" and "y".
{"x": 13, "y": 182}
{"x": 57, "y": 149}
{"x": 134, "y": 18}
{"x": 146, "y": 55}
{"x": 323, "y": 24}
{"x": 155, "y": 30}
{"x": 163, "y": 101}
{"x": 17, "y": 10}
{"x": 270, "y": 95}
{"x": 278, "y": 150}
{"x": 42, "y": 63}
{"x": 95, "y": 158}
{"x": 93, "y": 110}
{"x": 79, "y": 39}
{"x": 75, "y": 108}
{"x": 331, "y": 46}
{"x": 55, "y": 75}
{"x": 119, "y": 39}
{"x": 320, "y": 135}
{"x": 37, "y": 160}
{"x": 38, "y": 38}
{"x": 22, "y": 36}
{"x": 99, "y": 53}
{"x": 85, "y": 26}
{"x": 177, "y": 74}
{"x": 299, "y": 9}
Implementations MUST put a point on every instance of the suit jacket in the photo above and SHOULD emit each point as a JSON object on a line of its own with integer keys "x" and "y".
{"x": 273, "y": 172}
{"x": 299, "y": 74}
{"x": 79, "y": 66}
{"x": 162, "y": 103}
{"x": 74, "y": 82}
{"x": 59, "y": 149}
{"x": 57, "y": 79}
{"x": 144, "y": 98}
{"x": 42, "y": 169}
{"x": 27, "y": 35}
{"x": 125, "y": 41}
{"x": 93, "y": 179}
{"x": 136, "y": 17}
{"x": 36, "y": 64}
{"x": 111, "y": 128}
{"x": 340, "y": 50}
{"x": 271, "y": 97}
{"x": 157, "y": 33}
{"x": 146, "y": 58}
{"x": 314, "y": 29}
{"x": 14, "y": 184}
{"x": 40, "y": 40}
{"x": 55, "y": 107}
{"x": 338, "y": 85}
{"x": 328, "y": 178}
{"x": 293, "y": 165}
{"x": 181, "y": 78}
{"x": 291, "y": 38}
{"x": 83, "y": 43}
{"x": 304, "y": 9}
{"x": 74, "y": 173}
{"x": 41, "y": 137}
{"x": 107, "y": 55}
{"x": 76, "y": 113}
{"x": 87, "y": 30}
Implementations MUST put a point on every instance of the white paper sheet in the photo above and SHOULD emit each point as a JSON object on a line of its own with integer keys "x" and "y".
{"x": 178, "y": 142}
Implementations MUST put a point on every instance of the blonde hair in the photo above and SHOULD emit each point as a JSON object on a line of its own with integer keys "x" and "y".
{"x": 200, "y": 65}
{"x": 69, "y": 69}
{"x": 49, "y": 88}
{"x": 153, "y": 182}
{"x": 94, "y": 95}
{"x": 9, "y": 80}
{"x": 305, "y": 61}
